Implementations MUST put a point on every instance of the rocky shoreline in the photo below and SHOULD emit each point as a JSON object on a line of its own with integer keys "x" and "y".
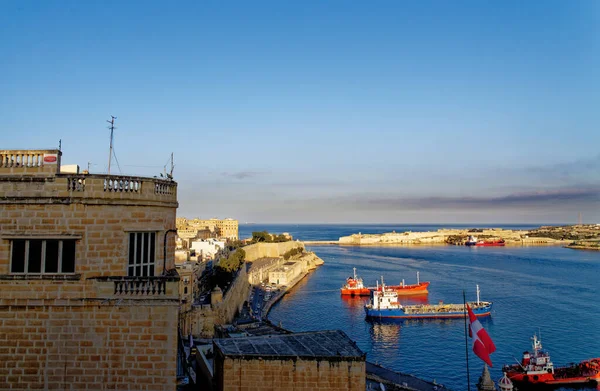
{"x": 585, "y": 245}
{"x": 573, "y": 236}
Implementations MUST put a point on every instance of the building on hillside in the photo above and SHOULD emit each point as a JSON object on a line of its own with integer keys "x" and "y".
{"x": 321, "y": 360}
{"x": 88, "y": 293}
{"x": 227, "y": 229}
{"x": 286, "y": 273}
{"x": 206, "y": 249}
{"x": 189, "y": 275}
{"x": 212, "y": 228}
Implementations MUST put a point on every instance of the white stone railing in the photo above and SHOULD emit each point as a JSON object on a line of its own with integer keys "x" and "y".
{"x": 123, "y": 184}
{"x": 11, "y": 159}
{"x": 164, "y": 188}
{"x": 76, "y": 183}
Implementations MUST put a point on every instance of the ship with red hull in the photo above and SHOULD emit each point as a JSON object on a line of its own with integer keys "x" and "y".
{"x": 490, "y": 243}
{"x": 536, "y": 369}
{"x": 354, "y": 287}
{"x": 473, "y": 241}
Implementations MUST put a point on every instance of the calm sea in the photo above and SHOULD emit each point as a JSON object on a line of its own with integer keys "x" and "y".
{"x": 551, "y": 290}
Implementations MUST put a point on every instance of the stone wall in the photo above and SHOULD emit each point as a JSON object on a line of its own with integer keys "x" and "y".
{"x": 205, "y": 317}
{"x": 88, "y": 345}
{"x": 271, "y": 374}
{"x": 269, "y": 250}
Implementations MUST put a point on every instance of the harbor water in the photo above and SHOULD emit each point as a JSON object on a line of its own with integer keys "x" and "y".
{"x": 547, "y": 290}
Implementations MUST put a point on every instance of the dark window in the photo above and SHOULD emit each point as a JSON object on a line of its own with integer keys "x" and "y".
{"x": 43, "y": 256}
{"x": 35, "y": 256}
{"x": 18, "y": 256}
{"x": 51, "y": 256}
{"x": 68, "y": 256}
{"x": 142, "y": 247}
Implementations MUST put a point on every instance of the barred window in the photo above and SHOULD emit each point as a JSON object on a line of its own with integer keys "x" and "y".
{"x": 142, "y": 246}
{"x": 42, "y": 256}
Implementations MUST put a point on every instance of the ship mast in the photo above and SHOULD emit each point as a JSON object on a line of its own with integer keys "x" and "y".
{"x": 418, "y": 282}
{"x": 477, "y": 294}
{"x": 354, "y": 272}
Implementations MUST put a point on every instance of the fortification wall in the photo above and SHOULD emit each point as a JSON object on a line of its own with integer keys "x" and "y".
{"x": 269, "y": 250}
{"x": 205, "y": 317}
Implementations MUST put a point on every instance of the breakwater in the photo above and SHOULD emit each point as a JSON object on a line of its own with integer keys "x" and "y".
{"x": 577, "y": 236}
{"x": 379, "y": 235}
{"x": 448, "y": 236}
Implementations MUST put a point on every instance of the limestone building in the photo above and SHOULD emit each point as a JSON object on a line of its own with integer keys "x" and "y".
{"x": 204, "y": 229}
{"x": 88, "y": 299}
{"x": 286, "y": 273}
{"x": 321, "y": 360}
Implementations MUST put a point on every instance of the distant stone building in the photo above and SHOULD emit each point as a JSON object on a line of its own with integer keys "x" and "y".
{"x": 206, "y": 249}
{"x": 286, "y": 273}
{"x": 87, "y": 297}
{"x": 204, "y": 229}
{"x": 321, "y": 360}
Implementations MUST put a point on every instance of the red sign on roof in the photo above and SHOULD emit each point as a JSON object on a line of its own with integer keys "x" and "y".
{"x": 50, "y": 159}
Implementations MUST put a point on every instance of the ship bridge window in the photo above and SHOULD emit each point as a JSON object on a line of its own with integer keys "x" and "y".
{"x": 42, "y": 256}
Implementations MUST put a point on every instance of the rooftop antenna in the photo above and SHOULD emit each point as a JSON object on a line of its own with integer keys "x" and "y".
{"x": 172, "y": 167}
{"x": 59, "y": 144}
{"x": 112, "y": 129}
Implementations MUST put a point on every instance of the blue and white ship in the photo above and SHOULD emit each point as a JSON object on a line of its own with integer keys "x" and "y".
{"x": 384, "y": 304}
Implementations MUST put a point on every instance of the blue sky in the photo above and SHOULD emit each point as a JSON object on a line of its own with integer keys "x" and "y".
{"x": 324, "y": 111}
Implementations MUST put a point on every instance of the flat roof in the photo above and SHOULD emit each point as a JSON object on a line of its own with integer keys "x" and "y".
{"x": 331, "y": 344}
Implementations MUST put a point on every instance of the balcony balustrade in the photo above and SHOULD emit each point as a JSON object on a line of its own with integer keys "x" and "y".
{"x": 36, "y": 174}
{"x": 142, "y": 288}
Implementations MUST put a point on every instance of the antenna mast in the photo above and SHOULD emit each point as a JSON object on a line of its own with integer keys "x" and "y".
{"x": 112, "y": 129}
{"x": 172, "y": 166}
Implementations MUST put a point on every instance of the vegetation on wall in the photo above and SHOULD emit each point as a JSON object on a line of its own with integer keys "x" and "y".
{"x": 265, "y": 237}
{"x": 296, "y": 250}
{"x": 226, "y": 268}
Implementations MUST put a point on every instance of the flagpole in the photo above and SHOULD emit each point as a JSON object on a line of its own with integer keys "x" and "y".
{"x": 466, "y": 342}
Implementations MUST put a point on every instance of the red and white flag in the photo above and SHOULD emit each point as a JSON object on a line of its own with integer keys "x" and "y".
{"x": 482, "y": 343}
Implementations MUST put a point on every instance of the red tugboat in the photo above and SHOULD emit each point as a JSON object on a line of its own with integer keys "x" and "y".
{"x": 537, "y": 369}
{"x": 354, "y": 287}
